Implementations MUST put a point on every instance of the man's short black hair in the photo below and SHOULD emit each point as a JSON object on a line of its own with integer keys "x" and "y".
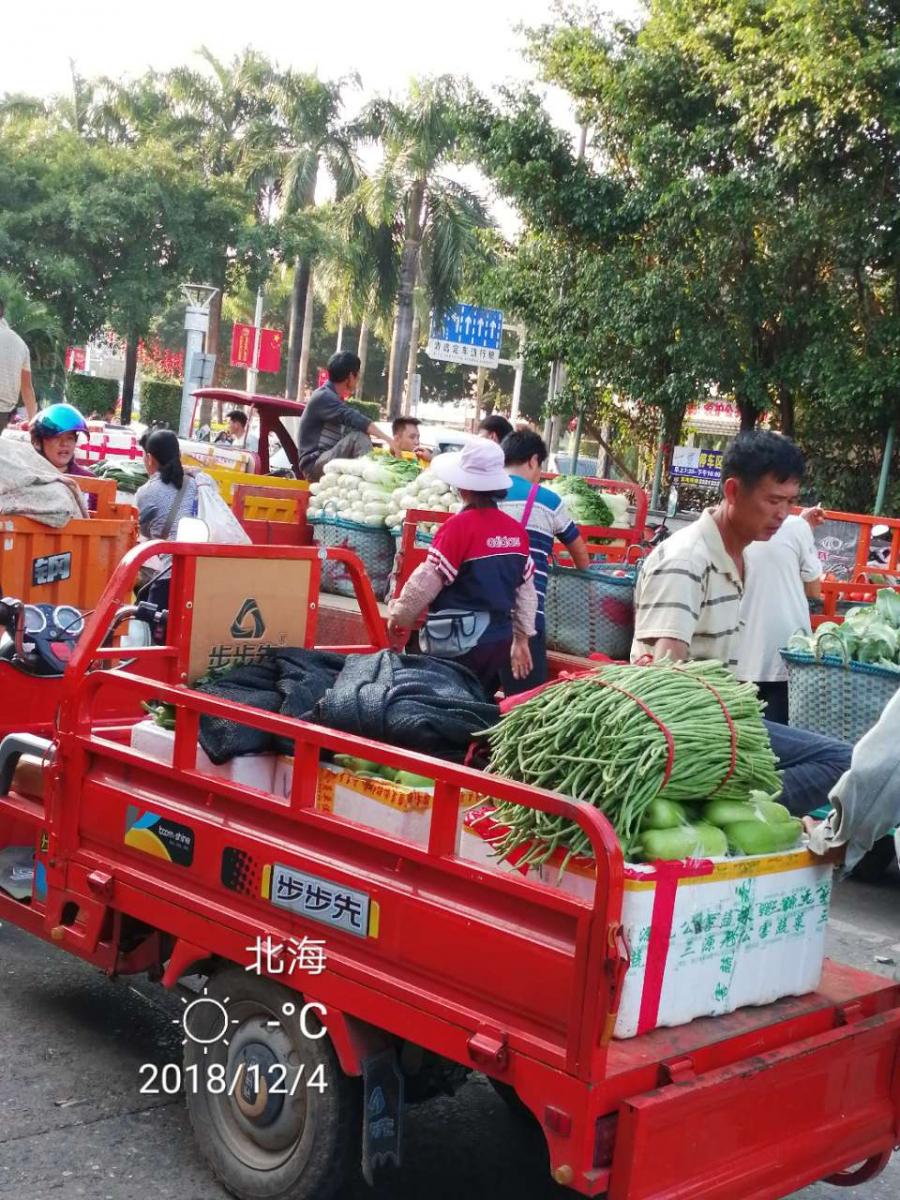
{"x": 342, "y": 365}
{"x": 2, "y": 307}
{"x": 237, "y": 415}
{"x": 497, "y": 425}
{"x": 521, "y": 446}
{"x": 752, "y": 456}
{"x": 400, "y": 423}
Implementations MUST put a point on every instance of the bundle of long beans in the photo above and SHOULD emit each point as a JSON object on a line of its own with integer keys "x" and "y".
{"x": 623, "y": 736}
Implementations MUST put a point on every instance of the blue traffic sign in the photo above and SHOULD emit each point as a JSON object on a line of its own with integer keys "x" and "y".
{"x": 467, "y": 325}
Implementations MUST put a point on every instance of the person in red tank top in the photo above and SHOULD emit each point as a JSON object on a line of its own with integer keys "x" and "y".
{"x": 477, "y": 582}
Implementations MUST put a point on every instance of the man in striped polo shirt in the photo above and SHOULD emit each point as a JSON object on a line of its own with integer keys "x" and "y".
{"x": 688, "y": 597}
{"x": 546, "y": 518}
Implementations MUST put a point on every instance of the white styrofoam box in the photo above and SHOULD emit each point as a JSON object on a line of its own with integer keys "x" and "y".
{"x": 403, "y": 812}
{"x": 478, "y": 827}
{"x": 708, "y": 937}
{"x": 249, "y": 770}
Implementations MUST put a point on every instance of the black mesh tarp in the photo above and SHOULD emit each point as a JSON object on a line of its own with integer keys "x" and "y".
{"x": 289, "y": 681}
{"x": 421, "y": 703}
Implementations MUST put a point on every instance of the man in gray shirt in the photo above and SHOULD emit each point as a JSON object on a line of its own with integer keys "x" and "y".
{"x": 330, "y": 427}
{"x": 15, "y": 373}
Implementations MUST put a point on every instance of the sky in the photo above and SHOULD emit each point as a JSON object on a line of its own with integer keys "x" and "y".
{"x": 385, "y": 42}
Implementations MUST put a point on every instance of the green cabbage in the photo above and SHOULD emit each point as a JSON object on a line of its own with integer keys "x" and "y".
{"x": 801, "y": 641}
{"x": 878, "y": 641}
{"x": 887, "y": 606}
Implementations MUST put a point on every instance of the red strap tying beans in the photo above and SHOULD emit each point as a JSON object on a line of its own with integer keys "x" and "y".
{"x": 670, "y": 741}
{"x": 731, "y": 729}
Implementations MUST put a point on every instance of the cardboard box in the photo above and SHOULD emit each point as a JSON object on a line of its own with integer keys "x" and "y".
{"x": 249, "y": 770}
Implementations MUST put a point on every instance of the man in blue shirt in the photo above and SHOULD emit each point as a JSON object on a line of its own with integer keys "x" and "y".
{"x": 546, "y": 518}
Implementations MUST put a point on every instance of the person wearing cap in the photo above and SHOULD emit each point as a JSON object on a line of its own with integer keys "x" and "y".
{"x": 54, "y": 434}
{"x": 477, "y": 582}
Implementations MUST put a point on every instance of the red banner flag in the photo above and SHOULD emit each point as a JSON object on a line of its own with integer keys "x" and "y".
{"x": 242, "y": 342}
{"x": 270, "y": 351}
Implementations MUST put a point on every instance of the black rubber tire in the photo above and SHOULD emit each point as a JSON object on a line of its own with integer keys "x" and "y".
{"x": 874, "y": 866}
{"x": 315, "y": 1136}
{"x": 510, "y": 1098}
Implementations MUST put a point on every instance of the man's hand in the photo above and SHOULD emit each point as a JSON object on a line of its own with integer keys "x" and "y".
{"x": 814, "y": 516}
{"x": 834, "y": 854}
{"x": 671, "y": 648}
{"x": 521, "y": 657}
{"x": 28, "y": 397}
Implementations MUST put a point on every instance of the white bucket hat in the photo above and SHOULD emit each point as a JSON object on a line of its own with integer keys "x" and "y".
{"x": 478, "y": 467}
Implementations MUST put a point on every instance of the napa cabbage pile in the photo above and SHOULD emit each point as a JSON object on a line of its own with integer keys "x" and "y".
{"x": 588, "y": 505}
{"x": 377, "y": 490}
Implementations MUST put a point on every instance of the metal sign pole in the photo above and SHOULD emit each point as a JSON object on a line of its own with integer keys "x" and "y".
{"x": 253, "y": 372}
{"x": 520, "y": 374}
{"x": 199, "y": 296}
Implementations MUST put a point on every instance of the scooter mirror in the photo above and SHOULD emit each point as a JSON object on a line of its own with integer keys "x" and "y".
{"x": 192, "y": 529}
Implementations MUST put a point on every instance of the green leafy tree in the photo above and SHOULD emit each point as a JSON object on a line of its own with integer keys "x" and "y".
{"x": 734, "y": 225}
{"x": 103, "y": 234}
{"x": 310, "y": 137}
{"x": 432, "y": 218}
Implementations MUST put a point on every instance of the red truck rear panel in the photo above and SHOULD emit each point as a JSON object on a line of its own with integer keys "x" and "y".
{"x": 765, "y": 1126}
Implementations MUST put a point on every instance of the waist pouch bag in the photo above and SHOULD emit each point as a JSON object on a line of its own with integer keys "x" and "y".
{"x": 452, "y": 632}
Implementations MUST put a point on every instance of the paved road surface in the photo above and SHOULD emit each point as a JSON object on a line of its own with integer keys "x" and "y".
{"x": 73, "y": 1125}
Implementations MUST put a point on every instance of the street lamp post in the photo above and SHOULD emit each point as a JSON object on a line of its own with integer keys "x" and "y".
{"x": 199, "y": 296}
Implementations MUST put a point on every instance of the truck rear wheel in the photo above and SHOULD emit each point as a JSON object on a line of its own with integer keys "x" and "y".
{"x": 272, "y": 1112}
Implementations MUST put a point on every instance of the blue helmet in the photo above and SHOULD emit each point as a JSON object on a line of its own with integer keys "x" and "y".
{"x": 58, "y": 418}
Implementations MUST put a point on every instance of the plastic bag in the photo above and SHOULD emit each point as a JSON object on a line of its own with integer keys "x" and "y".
{"x": 224, "y": 527}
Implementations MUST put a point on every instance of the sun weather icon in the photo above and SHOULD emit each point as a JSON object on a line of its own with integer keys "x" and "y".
{"x": 207, "y": 1013}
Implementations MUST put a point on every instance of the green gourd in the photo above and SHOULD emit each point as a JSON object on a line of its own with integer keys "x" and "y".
{"x": 759, "y": 837}
{"x": 727, "y": 812}
{"x": 688, "y": 841}
{"x": 772, "y": 812}
{"x": 412, "y": 780}
{"x": 664, "y": 814}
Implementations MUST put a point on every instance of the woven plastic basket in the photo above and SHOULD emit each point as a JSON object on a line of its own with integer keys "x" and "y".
{"x": 832, "y": 696}
{"x": 372, "y": 543}
{"x": 592, "y": 611}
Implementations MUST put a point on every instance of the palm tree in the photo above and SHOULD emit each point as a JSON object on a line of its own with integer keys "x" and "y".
{"x": 225, "y": 116}
{"x": 433, "y": 219}
{"x": 310, "y": 138}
